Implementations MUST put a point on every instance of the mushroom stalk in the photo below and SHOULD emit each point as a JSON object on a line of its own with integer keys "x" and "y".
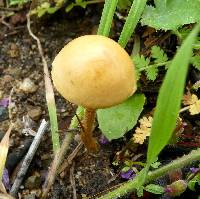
{"x": 86, "y": 134}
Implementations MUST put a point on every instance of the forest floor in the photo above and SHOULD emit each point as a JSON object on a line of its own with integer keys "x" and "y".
{"x": 20, "y": 64}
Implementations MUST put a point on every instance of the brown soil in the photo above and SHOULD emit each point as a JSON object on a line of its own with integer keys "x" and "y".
{"x": 19, "y": 59}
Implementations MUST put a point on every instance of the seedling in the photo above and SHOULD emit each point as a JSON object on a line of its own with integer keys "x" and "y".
{"x": 94, "y": 72}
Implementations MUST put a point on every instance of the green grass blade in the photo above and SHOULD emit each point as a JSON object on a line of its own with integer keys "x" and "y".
{"x": 50, "y": 99}
{"x": 107, "y": 17}
{"x": 54, "y": 126}
{"x": 131, "y": 21}
{"x": 169, "y": 99}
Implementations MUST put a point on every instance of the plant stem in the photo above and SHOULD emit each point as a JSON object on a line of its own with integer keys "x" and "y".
{"x": 131, "y": 21}
{"x": 176, "y": 164}
{"x": 95, "y": 1}
{"x": 153, "y": 65}
{"x": 184, "y": 109}
{"x": 86, "y": 134}
{"x": 59, "y": 156}
{"x": 136, "y": 47}
{"x": 107, "y": 17}
{"x": 132, "y": 184}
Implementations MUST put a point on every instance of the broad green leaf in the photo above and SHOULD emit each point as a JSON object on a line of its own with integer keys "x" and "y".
{"x": 114, "y": 122}
{"x": 169, "y": 99}
{"x": 155, "y": 189}
{"x": 171, "y": 14}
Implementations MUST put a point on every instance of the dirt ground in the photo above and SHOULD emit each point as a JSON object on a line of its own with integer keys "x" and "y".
{"x": 20, "y": 64}
{"x": 20, "y": 60}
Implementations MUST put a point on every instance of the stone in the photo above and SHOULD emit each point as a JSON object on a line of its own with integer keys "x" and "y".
{"x": 35, "y": 113}
{"x": 6, "y": 80}
{"x": 28, "y": 86}
{"x": 33, "y": 182}
{"x": 14, "y": 51}
{"x": 3, "y": 113}
{"x": 30, "y": 196}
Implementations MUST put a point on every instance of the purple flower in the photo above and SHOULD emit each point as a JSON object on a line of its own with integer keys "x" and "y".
{"x": 103, "y": 140}
{"x": 184, "y": 124}
{"x": 4, "y": 102}
{"x": 5, "y": 179}
{"x": 128, "y": 174}
{"x": 168, "y": 189}
{"x": 194, "y": 170}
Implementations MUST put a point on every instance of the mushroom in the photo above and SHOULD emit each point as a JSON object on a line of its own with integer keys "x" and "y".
{"x": 95, "y": 72}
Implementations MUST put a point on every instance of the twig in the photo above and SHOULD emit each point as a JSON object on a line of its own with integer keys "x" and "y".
{"x": 56, "y": 163}
{"x": 2, "y": 188}
{"x": 5, "y": 23}
{"x": 10, "y": 102}
{"x": 10, "y": 9}
{"x": 58, "y": 159}
{"x": 28, "y": 158}
{"x": 70, "y": 158}
{"x": 184, "y": 109}
{"x": 5, "y": 196}
{"x": 72, "y": 181}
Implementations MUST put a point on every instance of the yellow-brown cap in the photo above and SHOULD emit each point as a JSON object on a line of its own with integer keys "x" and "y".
{"x": 94, "y": 71}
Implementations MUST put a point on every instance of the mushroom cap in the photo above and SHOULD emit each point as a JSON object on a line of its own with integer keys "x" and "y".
{"x": 94, "y": 71}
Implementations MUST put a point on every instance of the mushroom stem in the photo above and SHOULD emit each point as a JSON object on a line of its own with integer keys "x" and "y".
{"x": 86, "y": 135}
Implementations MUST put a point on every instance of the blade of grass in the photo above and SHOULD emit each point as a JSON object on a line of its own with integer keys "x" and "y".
{"x": 107, "y": 17}
{"x": 131, "y": 21}
{"x": 169, "y": 99}
{"x": 49, "y": 93}
{"x": 4, "y": 145}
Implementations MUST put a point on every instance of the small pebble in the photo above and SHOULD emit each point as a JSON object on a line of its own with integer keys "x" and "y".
{"x": 35, "y": 113}
{"x": 6, "y": 79}
{"x": 30, "y": 196}
{"x": 33, "y": 182}
{"x": 14, "y": 51}
{"x": 3, "y": 113}
{"x": 28, "y": 86}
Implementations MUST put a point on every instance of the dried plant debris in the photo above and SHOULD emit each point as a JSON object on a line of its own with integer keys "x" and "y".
{"x": 4, "y": 145}
{"x": 193, "y": 103}
{"x": 143, "y": 131}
